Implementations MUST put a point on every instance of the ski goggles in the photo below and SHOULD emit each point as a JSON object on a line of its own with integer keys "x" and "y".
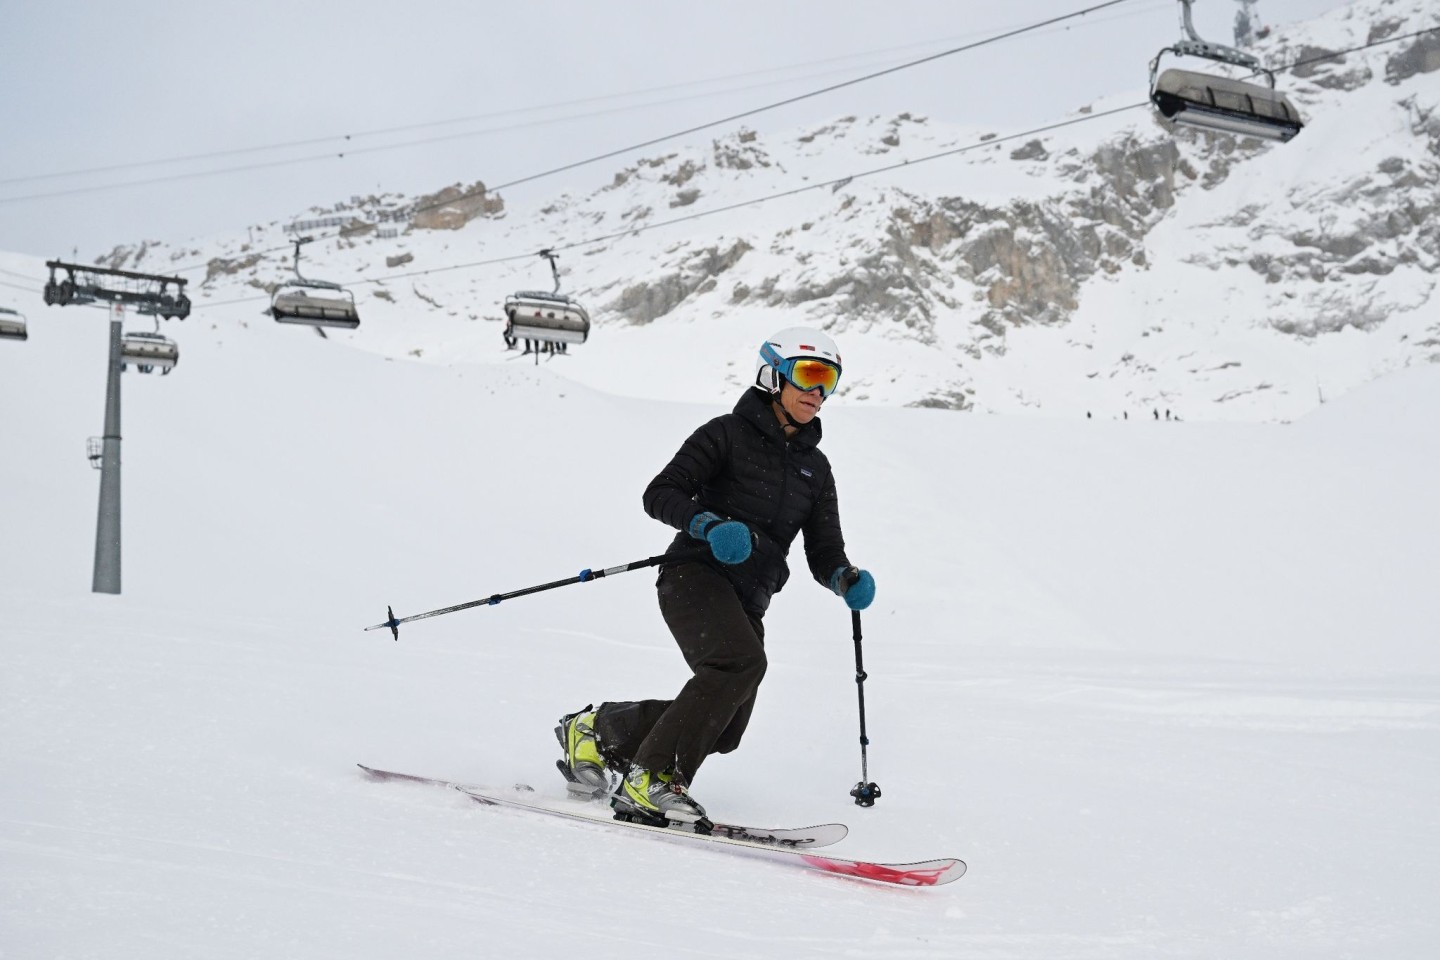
{"x": 807, "y": 373}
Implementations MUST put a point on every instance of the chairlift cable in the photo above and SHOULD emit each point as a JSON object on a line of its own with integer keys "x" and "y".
{"x": 786, "y": 102}
{"x": 1018, "y": 31}
{"x": 406, "y": 128}
{"x": 604, "y": 156}
{"x": 867, "y": 173}
{"x": 838, "y": 181}
{"x": 830, "y": 183}
{"x": 22, "y": 276}
{"x": 536, "y": 108}
{"x": 1364, "y": 46}
{"x": 816, "y": 186}
{"x": 632, "y": 231}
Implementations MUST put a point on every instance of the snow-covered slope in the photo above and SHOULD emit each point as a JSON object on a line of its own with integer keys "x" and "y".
{"x": 1169, "y": 688}
{"x": 1105, "y": 267}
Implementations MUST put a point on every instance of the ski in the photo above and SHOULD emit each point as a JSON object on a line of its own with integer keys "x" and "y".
{"x": 821, "y": 835}
{"x": 928, "y": 873}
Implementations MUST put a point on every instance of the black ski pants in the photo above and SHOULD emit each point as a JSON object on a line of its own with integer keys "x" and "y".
{"x": 725, "y": 648}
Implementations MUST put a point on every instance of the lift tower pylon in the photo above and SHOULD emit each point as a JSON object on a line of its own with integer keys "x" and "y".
{"x": 148, "y": 294}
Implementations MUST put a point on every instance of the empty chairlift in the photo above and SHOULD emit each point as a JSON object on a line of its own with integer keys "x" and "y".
{"x": 12, "y": 325}
{"x": 315, "y": 303}
{"x": 149, "y": 352}
{"x": 546, "y": 317}
{"x": 1190, "y": 98}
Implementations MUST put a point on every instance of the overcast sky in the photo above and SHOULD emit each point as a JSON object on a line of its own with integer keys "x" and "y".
{"x": 93, "y": 85}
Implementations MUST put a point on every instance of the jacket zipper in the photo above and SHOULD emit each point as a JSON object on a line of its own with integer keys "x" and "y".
{"x": 784, "y": 479}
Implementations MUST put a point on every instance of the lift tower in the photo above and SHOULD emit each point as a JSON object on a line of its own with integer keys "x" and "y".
{"x": 152, "y": 296}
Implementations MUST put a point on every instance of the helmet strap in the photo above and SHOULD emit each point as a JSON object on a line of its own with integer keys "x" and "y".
{"x": 780, "y": 407}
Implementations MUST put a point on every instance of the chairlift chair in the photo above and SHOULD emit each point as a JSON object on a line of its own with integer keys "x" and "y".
{"x": 149, "y": 352}
{"x": 1189, "y": 98}
{"x": 298, "y": 301}
{"x": 12, "y": 325}
{"x": 546, "y": 317}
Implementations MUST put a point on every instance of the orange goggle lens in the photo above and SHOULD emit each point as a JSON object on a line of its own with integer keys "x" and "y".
{"x": 809, "y": 374}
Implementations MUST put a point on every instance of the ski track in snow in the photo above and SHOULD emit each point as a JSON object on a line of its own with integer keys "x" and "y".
{"x": 1171, "y": 744}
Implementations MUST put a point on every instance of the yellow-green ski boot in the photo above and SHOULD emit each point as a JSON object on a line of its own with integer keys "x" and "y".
{"x": 657, "y": 799}
{"x": 583, "y": 767}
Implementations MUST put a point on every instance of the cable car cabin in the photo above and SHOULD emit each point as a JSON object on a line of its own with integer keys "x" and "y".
{"x": 12, "y": 325}
{"x": 547, "y": 317}
{"x": 149, "y": 351}
{"x": 1207, "y": 102}
{"x": 315, "y": 306}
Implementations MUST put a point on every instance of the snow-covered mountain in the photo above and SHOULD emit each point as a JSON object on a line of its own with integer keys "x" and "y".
{"x": 1107, "y": 266}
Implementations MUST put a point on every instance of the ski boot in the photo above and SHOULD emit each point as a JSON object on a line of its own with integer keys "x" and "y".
{"x": 583, "y": 767}
{"x": 657, "y": 800}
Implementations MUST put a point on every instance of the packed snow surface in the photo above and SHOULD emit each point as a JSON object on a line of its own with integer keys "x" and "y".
{"x": 1170, "y": 689}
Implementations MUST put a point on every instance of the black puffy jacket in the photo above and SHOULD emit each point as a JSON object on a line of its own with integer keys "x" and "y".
{"x": 741, "y": 467}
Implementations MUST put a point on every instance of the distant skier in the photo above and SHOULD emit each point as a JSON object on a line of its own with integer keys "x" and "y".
{"x": 744, "y": 484}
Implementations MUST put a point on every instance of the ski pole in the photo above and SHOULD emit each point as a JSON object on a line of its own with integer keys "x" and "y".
{"x": 585, "y": 576}
{"x": 865, "y": 792}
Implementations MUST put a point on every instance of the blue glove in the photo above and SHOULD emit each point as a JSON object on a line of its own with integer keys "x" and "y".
{"x": 855, "y": 586}
{"x": 729, "y": 539}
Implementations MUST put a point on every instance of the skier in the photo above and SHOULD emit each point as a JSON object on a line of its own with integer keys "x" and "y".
{"x": 743, "y": 485}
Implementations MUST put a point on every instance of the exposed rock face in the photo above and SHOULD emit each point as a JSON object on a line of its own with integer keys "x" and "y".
{"x": 682, "y": 174}
{"x": 1423, "y": 56}
{"x": 127, "y": 257}
{"x": 881, "y": 286}
{"x": 645, "y": 301}
{"x": 740, "y": 152}
{"x": 1169, "y": 231}
{"x": 1025, "y": 260}
{"x": 1034, "y": 150}
{"x": 1370, "y": 225}
{"x": 222, "y": 267}
{"x": 1328, "y": 69}
{"x": 455, "y": 206}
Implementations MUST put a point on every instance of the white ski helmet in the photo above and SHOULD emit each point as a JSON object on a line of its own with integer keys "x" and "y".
{"x": 776, "y": 360}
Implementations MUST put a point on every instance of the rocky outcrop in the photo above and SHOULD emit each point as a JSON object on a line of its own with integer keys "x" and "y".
{"x": 651, "y": 299}
{"x": 1033, "y": 150}
{"x": 1422, "y": 56}
{"x": 455, "y": 206}
{"x": 1391, "y": 219}
{"x": 1329, "y": 69}
{"x": 739, "y": 152}
{"x": 1029, "y": 258}
{"x": 224, "y": 267}
{"x": 126, "y": 256}
{"x": 880, "y": 287}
